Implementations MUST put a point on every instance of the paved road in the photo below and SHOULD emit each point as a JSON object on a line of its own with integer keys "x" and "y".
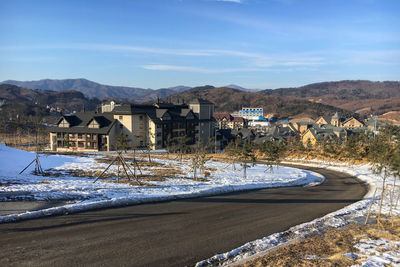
{"x": 175, "y": 233}
{"x": 13, "y": 207}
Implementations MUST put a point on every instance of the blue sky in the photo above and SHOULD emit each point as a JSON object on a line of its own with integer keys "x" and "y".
{"x": 162, "y": 43}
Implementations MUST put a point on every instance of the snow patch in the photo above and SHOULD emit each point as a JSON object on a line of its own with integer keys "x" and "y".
{"x": 102, "y": 194}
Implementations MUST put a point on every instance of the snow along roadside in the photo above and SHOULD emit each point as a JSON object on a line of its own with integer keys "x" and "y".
{"x": 338, "y": 218}
{"x": 107, "y": 195}
{"x": 124, "y": 201}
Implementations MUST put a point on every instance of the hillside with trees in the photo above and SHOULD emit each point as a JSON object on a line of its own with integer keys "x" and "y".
{"x": 18, "y": 102}
{"x": 101, "y": 91}
{"x": 229, "y": 99}
{"x": 363, "y": 96}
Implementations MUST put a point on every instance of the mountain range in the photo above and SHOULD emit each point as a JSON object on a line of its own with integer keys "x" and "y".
{"x": 228, "y": 100}
{"x": 360, "y": 96}
{"x": 101, "y": 91}
{"x": 17, "y": 102}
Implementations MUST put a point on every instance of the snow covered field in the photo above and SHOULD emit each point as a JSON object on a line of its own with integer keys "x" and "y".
{"x": 84, "y": 194}
{"x": 368, "y": 248}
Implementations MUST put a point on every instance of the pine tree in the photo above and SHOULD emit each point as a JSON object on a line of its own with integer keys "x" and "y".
{"x": 273, "y": 152}
{"x": 246, "y": 155}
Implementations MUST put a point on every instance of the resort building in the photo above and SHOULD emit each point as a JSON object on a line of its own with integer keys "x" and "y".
{"x": 227, "y": 121}
{"x": 251, "y": 114}
{"x": 142, "y": 125}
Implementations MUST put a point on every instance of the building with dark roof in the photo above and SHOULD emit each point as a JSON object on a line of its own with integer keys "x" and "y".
{"x": 143, "y": 125}
{"x": 337, "y": 121}
{"x": 86, "y": 131}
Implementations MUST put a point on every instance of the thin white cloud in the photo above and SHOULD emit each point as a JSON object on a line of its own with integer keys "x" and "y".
{"x": 253, "y": 59}
{"x": 233, "y": 1}
{"x": 161, "y": 67}
{"x": 287, "y": 60}
{"x": 249, "y": 60}
{"x": 372, "y": 57}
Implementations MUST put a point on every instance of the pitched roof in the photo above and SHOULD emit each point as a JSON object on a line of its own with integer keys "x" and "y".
{"x": 160, "y": 112}
{"x": 243, "y": 133}
{"x": 79, "y": 123}
{"x": 185, "y": 112}
{"x": 156, "y": 111}
{"x": 326, "y": 118}
{"x": 349, "y": 119}
{"x": 336, "y": 116}
{"x": 220, "y": 116}
{"x": 72, "y": 120}
{"x": 238, "y": 119}
{"x": 132, "y": 109}
{"x": 102, "y": 120}
{"x": 325, "y": 131}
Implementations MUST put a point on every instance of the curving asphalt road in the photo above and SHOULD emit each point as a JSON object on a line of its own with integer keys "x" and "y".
{"x": 175, "y": 233}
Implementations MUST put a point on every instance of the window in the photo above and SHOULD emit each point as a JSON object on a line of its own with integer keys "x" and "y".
{"x": 81, "y": 144}
{"x": 141, "y": 117}
{"x": 80, "y": 136}
{"x": 121, "y": 117}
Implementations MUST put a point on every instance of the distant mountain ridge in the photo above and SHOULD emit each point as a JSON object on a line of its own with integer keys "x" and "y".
{"x": 228, "y": 100}
{"x": 355, "y": 95}
{"x": 18, "y": 101}
{"x": 92, "y": 89}
{"x": 364, "y": 97}
{"x": 234, "y": 86}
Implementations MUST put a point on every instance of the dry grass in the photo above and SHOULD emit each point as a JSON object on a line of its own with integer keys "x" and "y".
{"x": 328, "y": 249}
{"x": 159, "y": 171}
{"x": 168, "y": 172}
{"x": 15, "y": 140}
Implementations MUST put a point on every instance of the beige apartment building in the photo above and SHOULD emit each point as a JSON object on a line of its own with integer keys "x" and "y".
{"x": 143, "y": 125}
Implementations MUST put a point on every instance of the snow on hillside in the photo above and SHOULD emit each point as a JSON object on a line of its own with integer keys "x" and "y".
{"x": 89, "y": 195}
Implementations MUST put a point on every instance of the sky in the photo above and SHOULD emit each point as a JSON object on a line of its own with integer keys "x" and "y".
{"x": 262, "y": 44}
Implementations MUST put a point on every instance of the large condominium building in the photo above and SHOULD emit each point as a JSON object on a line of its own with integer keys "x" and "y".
{"x": 251, "y": 114}
{"x": 143, "y": 125}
